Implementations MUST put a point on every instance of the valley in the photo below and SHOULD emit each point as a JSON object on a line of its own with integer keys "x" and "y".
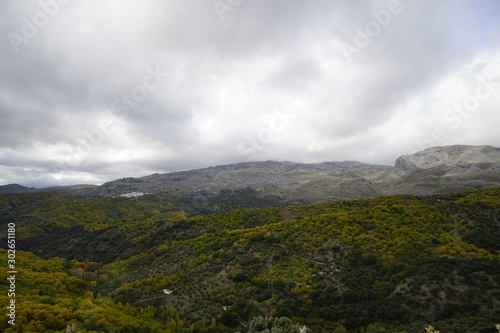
{"x": 386, "y": 264}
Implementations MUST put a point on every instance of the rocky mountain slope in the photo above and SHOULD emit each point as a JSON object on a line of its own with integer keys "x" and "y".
{"x": 446, "y": 169}
{"x": 311, "y": 182}
{"x": 431, "y": 171}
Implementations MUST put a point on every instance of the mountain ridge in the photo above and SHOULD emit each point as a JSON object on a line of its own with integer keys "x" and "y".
{"x": 435, "y": 170}
{"x": 431, "y": 171}
{"x": 15, "y": 188}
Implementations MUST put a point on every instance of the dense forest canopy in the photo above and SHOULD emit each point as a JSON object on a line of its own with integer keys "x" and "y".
{"x": 387, "y": 264}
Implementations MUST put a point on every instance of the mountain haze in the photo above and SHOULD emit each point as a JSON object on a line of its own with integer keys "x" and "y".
{"x": 15, "y": 188}
{"x": 431, "y": 171}
{"x": 436, "y": 170}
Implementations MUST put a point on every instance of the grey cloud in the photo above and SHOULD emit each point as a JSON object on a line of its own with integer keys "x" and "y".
{"x": 225, "y": 78}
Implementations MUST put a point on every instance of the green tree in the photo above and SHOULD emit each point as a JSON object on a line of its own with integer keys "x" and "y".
{"x": 275, "y": 325}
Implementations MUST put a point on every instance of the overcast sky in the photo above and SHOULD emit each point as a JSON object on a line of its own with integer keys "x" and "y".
{"x": 92, "y": 91}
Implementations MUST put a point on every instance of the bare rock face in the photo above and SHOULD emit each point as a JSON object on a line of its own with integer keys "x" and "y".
{"x": 404, "y": 164}
{"x": 445, "y": 169}
{"x": 458, "y": 155}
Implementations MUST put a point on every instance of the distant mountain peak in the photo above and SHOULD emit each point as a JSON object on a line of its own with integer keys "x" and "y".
{"x": 449, "y": 156}
{"x": 15, "y": 188}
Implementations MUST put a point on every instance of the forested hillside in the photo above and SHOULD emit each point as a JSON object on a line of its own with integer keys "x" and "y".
{"x": 387, "y": 264}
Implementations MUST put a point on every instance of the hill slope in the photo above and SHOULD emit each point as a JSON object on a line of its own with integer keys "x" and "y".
{"x": 393, "y": 263}
{"x": 15, "y": 188}
{"x": 450, "y": 169}
{"x": 435, "y": 170}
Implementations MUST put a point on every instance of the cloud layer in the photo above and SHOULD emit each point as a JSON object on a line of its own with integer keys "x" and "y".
{"x": 94, "y": 91}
